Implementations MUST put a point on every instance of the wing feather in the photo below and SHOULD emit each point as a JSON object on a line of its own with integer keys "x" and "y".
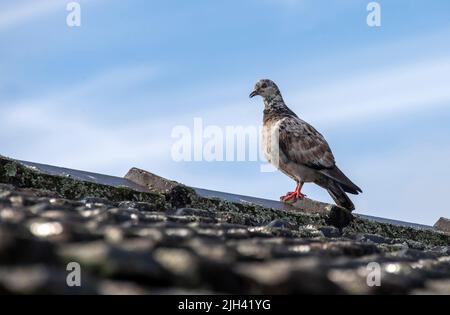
{"x": 303, "y": 144}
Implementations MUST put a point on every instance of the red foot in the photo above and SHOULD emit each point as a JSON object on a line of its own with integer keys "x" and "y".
{"x": 294, "y": 194}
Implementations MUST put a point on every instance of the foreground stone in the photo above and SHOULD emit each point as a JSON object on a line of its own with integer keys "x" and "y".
{"x": 175, "y": 241}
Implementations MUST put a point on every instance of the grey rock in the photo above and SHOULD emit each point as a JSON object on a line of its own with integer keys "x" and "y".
{"x": 373, "y": 238}
{"x": 194, "y": 212}
{"x": 443, "y": 224}
{"x": 141, "y": 206}
{"x": 330, "y": 231}
{"x": 280, "y": 223}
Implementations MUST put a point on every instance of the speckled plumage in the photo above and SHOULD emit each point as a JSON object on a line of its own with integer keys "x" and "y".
{"x": 297, "y": 149}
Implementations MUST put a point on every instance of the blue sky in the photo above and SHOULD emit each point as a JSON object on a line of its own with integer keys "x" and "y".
{"x": 105, "y": 96}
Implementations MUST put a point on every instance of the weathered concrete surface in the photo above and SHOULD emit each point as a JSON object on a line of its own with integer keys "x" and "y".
{"x": 150, "y": 181}
{"x": 443, "y": 224}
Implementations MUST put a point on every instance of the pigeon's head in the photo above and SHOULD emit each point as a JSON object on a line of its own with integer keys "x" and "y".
{"x": 265, "y": 88}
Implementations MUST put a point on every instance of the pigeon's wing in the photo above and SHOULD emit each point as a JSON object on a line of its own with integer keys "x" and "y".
{"x": 303, "y": 144}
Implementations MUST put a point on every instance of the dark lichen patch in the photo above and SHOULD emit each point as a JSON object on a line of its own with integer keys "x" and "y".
{"x": 181, "y": 196}
{"x": 16, "y": 174}
{"x": 10, "y": 170}
{"x": 427, "y": 237}
{"x": 254, "y": 215}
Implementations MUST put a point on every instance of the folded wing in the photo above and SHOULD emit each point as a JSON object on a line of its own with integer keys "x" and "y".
{"x": 301, "y": 143}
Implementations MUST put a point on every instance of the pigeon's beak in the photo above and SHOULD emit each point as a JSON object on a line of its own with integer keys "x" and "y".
{"x": 253, "y": 94}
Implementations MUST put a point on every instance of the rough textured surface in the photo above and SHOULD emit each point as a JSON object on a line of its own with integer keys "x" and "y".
{"x": 443, "y": 224}
{"x": 136, "y": 243}
{"x": 149, "y": 180}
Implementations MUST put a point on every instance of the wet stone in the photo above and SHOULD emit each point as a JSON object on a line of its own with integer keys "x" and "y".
{"x": 415, "y": 254}
{"x": 250, "y": 251}
{"x": 154, "y": 234}
{"x": 281, "y": 223}
{"x": 373, "y": 238}
{"x": 236, "y": 233}
{"x": 441, "y": 250}
{"x": 152, "y": 217}
{"x": 260, "y": 231}
{"x": 141, "y": 206}
{"x": 177, "y": 235}
{"x": 17, "y": 201}
{"x": 180, "y": 263}
{"x": 414, "y": 244}
{"x": 60, "y": 215}
{"x": 4, "y": 195}
{"x": 211, "y": 250}
{"x": 64, "y": 203}
{"x": 92, "y": 213}
{"x": 349, "y": 249}
{"x": 94, "y": 202}
{"x": 45, "y": 229}
{"x": 113, "y": 234}
{"x": 308, "y": 231}
{"x": 209, "y": 232}
{"x": 182, "y": 219}
{"x": 39, "y": 208}
{"x": 227, "y": 226}
{"x": 193, "y": 212}
{"x": 142, "y": 245}
{"x": 11, "y": 215}
{"x": 119, "y": 215}
{"x": 112, "y": 287}
{"x": 291, "y": 251}
{"x": 330, "y": 231}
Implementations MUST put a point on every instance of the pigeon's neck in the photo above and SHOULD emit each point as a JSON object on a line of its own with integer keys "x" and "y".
{"x": 274, "y": 101}
{"x": 274, "y": 106}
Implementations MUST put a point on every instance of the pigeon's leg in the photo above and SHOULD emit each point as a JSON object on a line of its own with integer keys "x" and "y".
{"x": 294, "y": 194}
{"x": 298, "y": 191}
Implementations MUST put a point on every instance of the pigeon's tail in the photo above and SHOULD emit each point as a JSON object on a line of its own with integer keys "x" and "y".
{"x": 347, "y": 185}
{"x": 339, "y": 196}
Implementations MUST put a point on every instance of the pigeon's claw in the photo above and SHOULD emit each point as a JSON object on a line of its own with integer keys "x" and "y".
{"x": 288, "y": 196}
{"x": 292, "y": 195}
{"x": 297, "y": 194}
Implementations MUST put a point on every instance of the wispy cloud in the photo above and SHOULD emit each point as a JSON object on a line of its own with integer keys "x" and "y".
{"x": 20, "y": 12}
{"x": 389, "y": 92}
{"x": 48, "y": 130}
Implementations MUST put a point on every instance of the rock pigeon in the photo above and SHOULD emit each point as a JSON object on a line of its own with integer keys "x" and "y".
{"x": 298, "y": 150}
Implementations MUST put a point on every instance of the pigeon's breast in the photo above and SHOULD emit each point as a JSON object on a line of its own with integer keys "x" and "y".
{"x": 270, "y": 140}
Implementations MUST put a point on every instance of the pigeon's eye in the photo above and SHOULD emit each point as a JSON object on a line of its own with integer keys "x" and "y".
{"x": 264, "y": 85}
